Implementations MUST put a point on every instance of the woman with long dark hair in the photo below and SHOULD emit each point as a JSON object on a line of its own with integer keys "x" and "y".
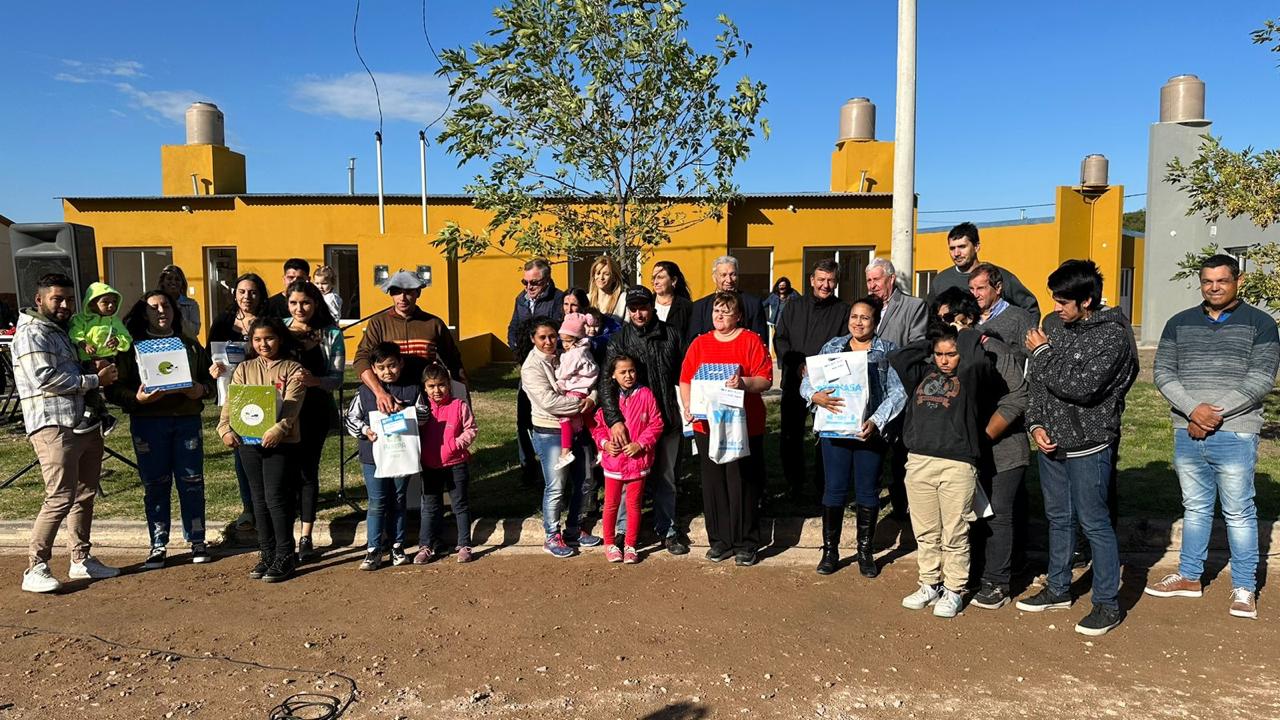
{"x": 671, "y": 299}
{"x": 249, "y": 301}
{"x": 323, "y": 355}
{"x": 166, "y": 430}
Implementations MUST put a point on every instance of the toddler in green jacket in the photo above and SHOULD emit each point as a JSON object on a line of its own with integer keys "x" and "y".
{"x": 99, "y": 335}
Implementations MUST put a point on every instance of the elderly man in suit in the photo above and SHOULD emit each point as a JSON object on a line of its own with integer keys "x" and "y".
{"x": 903, "y": 320}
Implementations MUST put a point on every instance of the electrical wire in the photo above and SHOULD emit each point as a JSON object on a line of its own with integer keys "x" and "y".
{"x": 432, "y": 48}
{"x": 329, "y": 706}
{"x": 355, "y": 40}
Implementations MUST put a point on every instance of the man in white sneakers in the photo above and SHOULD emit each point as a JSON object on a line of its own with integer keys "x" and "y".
{"x": 51, "y": 387}
{"x": 1215, "y": 364}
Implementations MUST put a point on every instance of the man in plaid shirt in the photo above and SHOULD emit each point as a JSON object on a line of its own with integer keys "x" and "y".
{"x": 48, "y": 377}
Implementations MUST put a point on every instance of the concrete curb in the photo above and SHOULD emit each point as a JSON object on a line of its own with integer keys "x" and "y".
{"x": 783, "y": 532}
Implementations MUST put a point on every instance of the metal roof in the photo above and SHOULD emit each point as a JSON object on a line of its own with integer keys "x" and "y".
{"x": 997, "y": 223}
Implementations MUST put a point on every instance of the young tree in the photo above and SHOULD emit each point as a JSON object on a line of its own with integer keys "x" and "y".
{"x": 598, "y": 124}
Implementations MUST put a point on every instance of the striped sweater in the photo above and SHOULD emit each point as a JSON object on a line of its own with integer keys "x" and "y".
{"x": 1231, "y": 364}
{"x": 422, "y": 338}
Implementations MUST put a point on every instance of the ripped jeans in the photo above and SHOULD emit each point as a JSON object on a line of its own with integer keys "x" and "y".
{"x": 170, "y": 450}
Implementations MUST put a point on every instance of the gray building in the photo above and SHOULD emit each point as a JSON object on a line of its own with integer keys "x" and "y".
{"x": 1171, "y": 233}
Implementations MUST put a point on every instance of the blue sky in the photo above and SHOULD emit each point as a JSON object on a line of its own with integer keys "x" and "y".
{"x": 1011, "y": 95}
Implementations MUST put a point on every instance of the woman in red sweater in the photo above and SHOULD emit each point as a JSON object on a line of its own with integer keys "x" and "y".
{"x": 731, "y": 492}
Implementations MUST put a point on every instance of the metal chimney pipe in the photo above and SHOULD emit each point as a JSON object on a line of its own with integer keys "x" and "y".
{"x": 382, "y": 208}
{"x": 195, "y": 185}
{"x": 422, "y": 150}
{"x": 351, "y": 176}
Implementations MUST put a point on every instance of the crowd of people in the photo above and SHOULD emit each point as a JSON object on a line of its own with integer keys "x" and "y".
{"x": 959, "y": 388}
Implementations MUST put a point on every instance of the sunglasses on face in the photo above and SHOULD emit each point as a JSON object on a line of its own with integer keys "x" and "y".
{"x": 531, "y": 283}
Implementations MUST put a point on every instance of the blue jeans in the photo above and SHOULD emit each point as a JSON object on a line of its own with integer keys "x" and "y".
{"x": 1222, "y": 465}
{"x": 386, "y": 505}
{"x": 853, "y": 462}
{"x": 454, "y": 480}
{"x": 170, "y": 451}
{"x": 546, "y": 443}
{"x": 1076, "y": 488}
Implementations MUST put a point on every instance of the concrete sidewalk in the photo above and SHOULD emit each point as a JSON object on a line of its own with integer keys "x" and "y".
{"x": 1136, "y": 535}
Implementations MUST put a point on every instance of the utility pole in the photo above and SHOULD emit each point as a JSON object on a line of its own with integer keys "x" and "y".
{"x": 904, "y": 149}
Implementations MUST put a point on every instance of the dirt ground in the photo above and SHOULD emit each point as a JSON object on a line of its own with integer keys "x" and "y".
{"x": 519, "y": 634}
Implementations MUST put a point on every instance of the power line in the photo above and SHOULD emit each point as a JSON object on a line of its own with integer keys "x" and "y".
{"x": 1007, "y": 207}
{"x": 439, "y": 62}
{"x": 355, "y": 40}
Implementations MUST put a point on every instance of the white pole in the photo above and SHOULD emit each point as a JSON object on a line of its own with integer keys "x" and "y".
{"x": 382, "y": 208}
{"x": 422, "y": 149}
{"x": 904, "y": 149}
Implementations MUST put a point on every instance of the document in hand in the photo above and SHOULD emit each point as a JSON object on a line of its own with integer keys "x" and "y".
{"x": 163, "y": 364}
{"x": 254, "y": 409}
{"x": 845, "y": 375}
{"x": 229, "y": 354}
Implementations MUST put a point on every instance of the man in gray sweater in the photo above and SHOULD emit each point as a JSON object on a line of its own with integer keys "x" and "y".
{"x": 1215, "y": 364}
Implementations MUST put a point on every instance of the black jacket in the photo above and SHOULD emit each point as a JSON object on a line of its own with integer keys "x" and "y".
{"x": 659, "y": 350}
{"x": 753, "y": 317}
{"x": 678, "y": 317}
{"x": 805, "y": 325}
{"x": 1079, "y": 380}
{"x": 946, "y": 415}
{"x": 550, "y": 304}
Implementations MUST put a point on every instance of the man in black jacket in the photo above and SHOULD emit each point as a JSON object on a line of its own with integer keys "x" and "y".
{"x": 1082, "y": 366}
{"x": 806, "y": 324}
{"x": 656, "y": 346}
{"x": 724, "y": 274}
{"x": 540, "y": 298}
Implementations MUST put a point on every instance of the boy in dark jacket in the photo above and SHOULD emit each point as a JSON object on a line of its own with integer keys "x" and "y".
{"x": 1082, "y": 365}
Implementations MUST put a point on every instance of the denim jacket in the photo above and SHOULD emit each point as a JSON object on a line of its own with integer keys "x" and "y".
{"x": 887, "y": 395}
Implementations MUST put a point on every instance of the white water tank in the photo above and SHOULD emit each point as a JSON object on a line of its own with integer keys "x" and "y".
{"x": 1093, "y": 171}
{"x": 204, "y": 124}
{"x": 1182, "y": 99}
{"x": 857, "y": 120}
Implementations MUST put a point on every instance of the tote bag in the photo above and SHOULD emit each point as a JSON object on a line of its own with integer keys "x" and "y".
{"x": 727, "y": 431}
{"x": 397, "y": 452}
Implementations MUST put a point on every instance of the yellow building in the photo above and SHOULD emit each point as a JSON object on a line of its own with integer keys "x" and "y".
{"x": 207, "y": 223}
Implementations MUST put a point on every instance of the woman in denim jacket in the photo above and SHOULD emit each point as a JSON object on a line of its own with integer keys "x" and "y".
{"x": 857, "y": 459}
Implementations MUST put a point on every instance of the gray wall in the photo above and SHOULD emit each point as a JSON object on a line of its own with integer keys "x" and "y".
{"x": 1171, "y": 233}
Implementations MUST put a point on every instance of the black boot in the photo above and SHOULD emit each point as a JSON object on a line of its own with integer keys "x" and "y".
{"x": 867, "y": 516}
{"x": 832, "y": 521}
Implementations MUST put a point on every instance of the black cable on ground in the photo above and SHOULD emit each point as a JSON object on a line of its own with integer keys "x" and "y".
{"x": 300, "y": 706}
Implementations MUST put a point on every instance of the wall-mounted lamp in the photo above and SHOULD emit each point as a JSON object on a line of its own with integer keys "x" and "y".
{"x": 381, "y": 274}
{"x": 424, "y": 274}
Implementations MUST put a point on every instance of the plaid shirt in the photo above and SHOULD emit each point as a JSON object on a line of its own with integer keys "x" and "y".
{"x": 47, "y": 374}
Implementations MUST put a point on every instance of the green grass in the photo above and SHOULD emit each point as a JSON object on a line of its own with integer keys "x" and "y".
{"x": 1148, "y": 486}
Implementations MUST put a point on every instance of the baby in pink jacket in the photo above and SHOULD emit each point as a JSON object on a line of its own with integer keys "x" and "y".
{"x": 575, "y": 377}
{"x": 627, "y": 464}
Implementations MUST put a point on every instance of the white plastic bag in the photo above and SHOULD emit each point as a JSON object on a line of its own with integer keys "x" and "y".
{"x": 397, "y": 452}
{"x": 845, "y": 375}
{"x": 727, "y": 432}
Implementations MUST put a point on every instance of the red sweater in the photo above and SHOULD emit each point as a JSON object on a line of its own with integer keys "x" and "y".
{"x": 748, "y": 353}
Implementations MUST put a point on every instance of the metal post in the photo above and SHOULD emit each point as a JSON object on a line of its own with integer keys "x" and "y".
{"x": 382, "y": 208}
{"x": 904, "y": 149}
{"x": 351, "y": 176}
{"x": 422, "y": 149}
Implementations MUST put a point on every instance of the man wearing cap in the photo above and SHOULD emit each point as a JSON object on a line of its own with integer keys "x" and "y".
{"x": 656, "y": 346}
{"x": 423, "y": 338}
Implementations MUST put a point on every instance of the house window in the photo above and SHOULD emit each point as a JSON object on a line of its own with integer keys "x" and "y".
{"x": 924, "y": 282}
{"x": 220, "y": 272}
{"x": 133, "y": 271}
{"x": 345, "y": 261}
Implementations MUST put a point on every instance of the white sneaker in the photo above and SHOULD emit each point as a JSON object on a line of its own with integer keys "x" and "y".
{"x": 566, "y": 459}
{"x": 91, "y": 568}
{"x": 922, "y": 598}
{"x": 949, "y": 604}
{"x": 39, "y": 580}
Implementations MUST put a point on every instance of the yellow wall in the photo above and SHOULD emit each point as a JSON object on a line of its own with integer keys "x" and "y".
{"x": 851, "y": 157}
{"x": 816, "y": 222}
{"x": 218, "y": 170}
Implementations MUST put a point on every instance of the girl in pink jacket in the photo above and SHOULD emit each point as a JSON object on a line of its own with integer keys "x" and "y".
{"x": 627, "y": 464}
{"x": 446, "y": 437}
